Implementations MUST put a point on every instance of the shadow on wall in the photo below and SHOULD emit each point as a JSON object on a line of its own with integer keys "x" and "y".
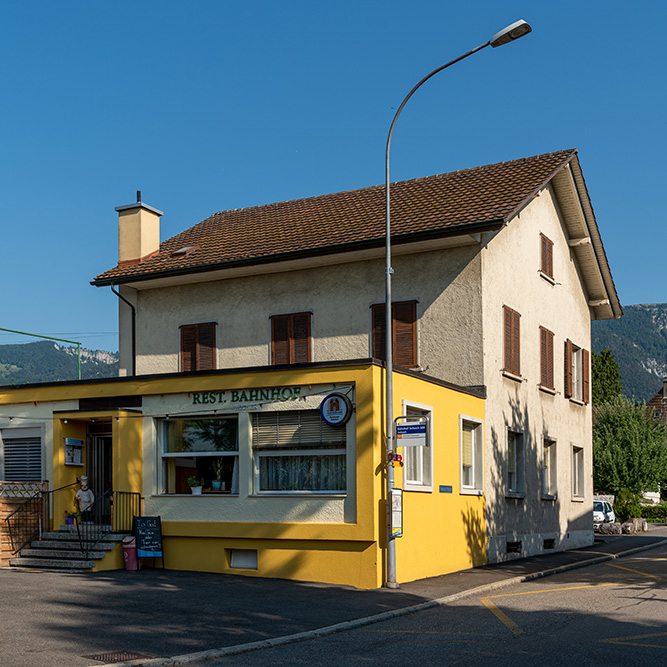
{"x": 473, "y": 525}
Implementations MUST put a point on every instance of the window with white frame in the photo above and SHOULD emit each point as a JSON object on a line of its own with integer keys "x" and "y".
{"x": 472, "y": 455}
{"x": 515, "y": 462}
{"x": 296, "y": 451}
{"x": 577, "y": 472}
{"x": 549, "y": 471}
{"x": 21, "y": 455}
{"x": 577, "y": 372}
{"x": 203, "y": 450}
{"x": 418, "y": 461}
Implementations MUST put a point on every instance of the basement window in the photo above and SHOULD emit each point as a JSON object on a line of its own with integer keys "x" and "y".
{"x": 514, "y": 547}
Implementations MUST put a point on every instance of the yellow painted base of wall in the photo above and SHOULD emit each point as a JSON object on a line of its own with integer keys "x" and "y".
{"x": 114, "y": 560}
{"x": 349, "y": 563}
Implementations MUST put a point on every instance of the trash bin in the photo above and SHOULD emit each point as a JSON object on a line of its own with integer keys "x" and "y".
{"x": 130, "y": 553}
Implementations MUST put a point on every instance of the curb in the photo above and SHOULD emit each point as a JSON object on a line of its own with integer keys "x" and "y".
{"x": 239, "y": 649}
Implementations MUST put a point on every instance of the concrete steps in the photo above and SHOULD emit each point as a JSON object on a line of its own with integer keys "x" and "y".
{"x": 61, "y": 552}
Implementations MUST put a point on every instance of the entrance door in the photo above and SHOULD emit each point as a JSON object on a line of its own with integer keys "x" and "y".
{"x": 100, "y": 473}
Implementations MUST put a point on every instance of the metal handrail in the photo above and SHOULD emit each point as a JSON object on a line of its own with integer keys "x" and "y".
{"x": 30, "y": 518}
{"x": 112, "y": 512}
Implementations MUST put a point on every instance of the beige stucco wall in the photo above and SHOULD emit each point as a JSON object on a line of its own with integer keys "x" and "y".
{"x": 445, "y": 282}
{"x": 521, "y": 405}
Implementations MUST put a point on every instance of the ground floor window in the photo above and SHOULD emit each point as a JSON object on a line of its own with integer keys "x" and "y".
{"x": 200, "y": 451}
{"x": 515, "y": 462}
{"x": 21, "y": 455}
{"x": 577, "y": 471}
{"x": 296, "y": 451}
{"x": 418, "y": 461}
{"x": 472, "y": 455}
{"x": 549, "y": 471}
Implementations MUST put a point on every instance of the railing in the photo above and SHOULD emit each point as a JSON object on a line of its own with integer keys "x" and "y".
{"x": 31, "y": 518}
{"x": 112, "y": 512}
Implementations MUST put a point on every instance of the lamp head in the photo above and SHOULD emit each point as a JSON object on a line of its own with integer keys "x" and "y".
{"x": 510, "y": 33}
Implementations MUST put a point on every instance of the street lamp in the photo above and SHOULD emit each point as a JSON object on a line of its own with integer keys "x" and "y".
{"x": 508, "y": 34}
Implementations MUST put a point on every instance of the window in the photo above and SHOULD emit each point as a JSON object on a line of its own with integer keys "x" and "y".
{"x": 290, "y": 339}
{"x": 577, "y": 372}
{"x": 418, "y": 461}
{"x": 296, "y": 451}
{"x": 547, "y": 256}
{"x": 549, "y": 471}
{"x": 577, "y": 472}
{"x": 404, "y": 314}
{"x": 515, "y": 464}
{"x": 472, "y": 455}
{"x": 22, "y": 455}
{"x": 204, "y": 448}
{"x": 512, "y": 346}
{"x": 198, "y": 350}
{"x": 546, "y": 358}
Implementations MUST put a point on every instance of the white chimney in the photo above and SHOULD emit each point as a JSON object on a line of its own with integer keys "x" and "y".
{"x": 138, "y": 232}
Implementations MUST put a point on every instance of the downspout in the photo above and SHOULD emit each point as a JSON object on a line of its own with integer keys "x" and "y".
{"x": 134, "y": 329}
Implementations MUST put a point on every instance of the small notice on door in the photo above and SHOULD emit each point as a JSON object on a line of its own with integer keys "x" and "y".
{"x": 148, "y": 533}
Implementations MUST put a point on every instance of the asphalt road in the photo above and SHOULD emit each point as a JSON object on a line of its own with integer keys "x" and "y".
{"x": 608, "y": 614}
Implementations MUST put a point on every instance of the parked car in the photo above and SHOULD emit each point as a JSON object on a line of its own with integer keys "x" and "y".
{"x": 603, "y": 512}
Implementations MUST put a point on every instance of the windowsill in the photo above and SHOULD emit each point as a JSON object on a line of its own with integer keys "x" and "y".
{"x": 418, "y": 489}
{"x": 297, "y": 494}
{"x": 471, "y": 492}
{"x": 547, "y": 390}
{"x": 546, "y": 277}
{"x": 577, "y": 401}
{"x": 548, "y": 497}
{"x": 516, "y": 495}
{"x": 578, "y": 499}
{"x": 511, "y": 376}
{"x": 206, "y": 494}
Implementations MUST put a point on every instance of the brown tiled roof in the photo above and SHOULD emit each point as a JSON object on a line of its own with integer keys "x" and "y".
{"x": 448, "y": 204}
{"x": 656, "y": 408}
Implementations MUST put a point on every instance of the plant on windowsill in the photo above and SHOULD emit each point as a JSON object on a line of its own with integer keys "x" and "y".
{"x": 217, "y": 469}
{"x": 195, "y": 485}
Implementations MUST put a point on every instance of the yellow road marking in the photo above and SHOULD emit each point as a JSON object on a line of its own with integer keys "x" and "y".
{"x": 504, "y": 618}
{"x": 551, "y": 590}
{"x": 625, "y": 641}
{"x": 432, "y": 632}
{"x": 629, "y": 569}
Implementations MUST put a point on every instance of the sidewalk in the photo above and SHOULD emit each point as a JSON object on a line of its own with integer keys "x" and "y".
{"x": 62, "y": 619}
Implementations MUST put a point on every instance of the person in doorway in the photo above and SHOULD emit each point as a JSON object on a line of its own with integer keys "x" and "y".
{"x": 85, "y": 497}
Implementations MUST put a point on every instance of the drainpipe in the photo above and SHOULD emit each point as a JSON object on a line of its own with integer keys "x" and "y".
{"x": 134, "y": 329}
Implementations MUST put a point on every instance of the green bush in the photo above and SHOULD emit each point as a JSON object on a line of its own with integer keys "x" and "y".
{"x": 627, "y": 505}
{"x": 655, "y": 513}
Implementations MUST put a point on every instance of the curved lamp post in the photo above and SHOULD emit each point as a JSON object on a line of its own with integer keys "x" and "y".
{"x": 508, "y": 34}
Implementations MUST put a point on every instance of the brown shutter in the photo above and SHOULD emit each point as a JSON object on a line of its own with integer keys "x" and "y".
{"x": 516, "y": 344}
{"x": 188, "y": 347}
{"x": 547, "y": 256}
{"x": 301, "y": 338}
{"x": 405, "y": 333}
{"x": 206, "y": 348}
{"x": 550, "y": 360}
{"x": 544, "y": 362}
{"x": 508, "y": 338}
{"x": 568, "y": 368}
{"x": 586, "y": 384}
{"x": 378, "y": 331}
{"x": 280, "y": 340}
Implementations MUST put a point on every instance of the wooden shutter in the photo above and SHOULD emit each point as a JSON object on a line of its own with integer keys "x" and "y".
{"x": 546, "y": 358}
{"x": 301, "y": 338}
{"x": 378, "y": 326}
{"x": 568, "y": 368}
{"x": 512, "y": 341}
{"x": 547, "y": 256}
{"x": 198, "y": 348}
{"x": 404, "y": 329}
{"x": 586, "y": 384}
{"x": 290, "y": 339}
{"x": 405, "y": 333}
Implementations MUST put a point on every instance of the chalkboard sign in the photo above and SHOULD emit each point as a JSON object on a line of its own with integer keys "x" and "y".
{"x": 148, "y": 533}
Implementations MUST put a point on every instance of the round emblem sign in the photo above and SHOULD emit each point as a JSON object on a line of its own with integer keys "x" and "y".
{"x": 336, "y": 409}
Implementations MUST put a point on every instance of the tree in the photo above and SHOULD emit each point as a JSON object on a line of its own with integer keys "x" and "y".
{"x": 629, "y": 450}
{"x": 606, "y": 377}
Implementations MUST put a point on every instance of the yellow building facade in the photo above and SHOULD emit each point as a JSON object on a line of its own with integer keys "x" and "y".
{"x": 283, "y": 492}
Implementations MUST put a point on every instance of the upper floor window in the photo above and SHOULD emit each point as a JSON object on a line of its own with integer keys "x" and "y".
{"x": 198, "y": 349}
{"x": 404, "y": 314}
{"x": 577, "y": 372}
{"x": 547, "y": 256}
{"x": 290, "y": 339}
{"x": 512, "y": 341}
{"x": 546, "y": 358}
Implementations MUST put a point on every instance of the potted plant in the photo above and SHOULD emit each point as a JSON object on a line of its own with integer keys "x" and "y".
{"x": 195, "y": 485}
{"x": 217, "y": 469}
{"x": 69, "y": 517}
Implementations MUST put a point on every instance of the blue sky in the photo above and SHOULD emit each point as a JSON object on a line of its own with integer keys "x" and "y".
{"x": 207, "y": 106}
